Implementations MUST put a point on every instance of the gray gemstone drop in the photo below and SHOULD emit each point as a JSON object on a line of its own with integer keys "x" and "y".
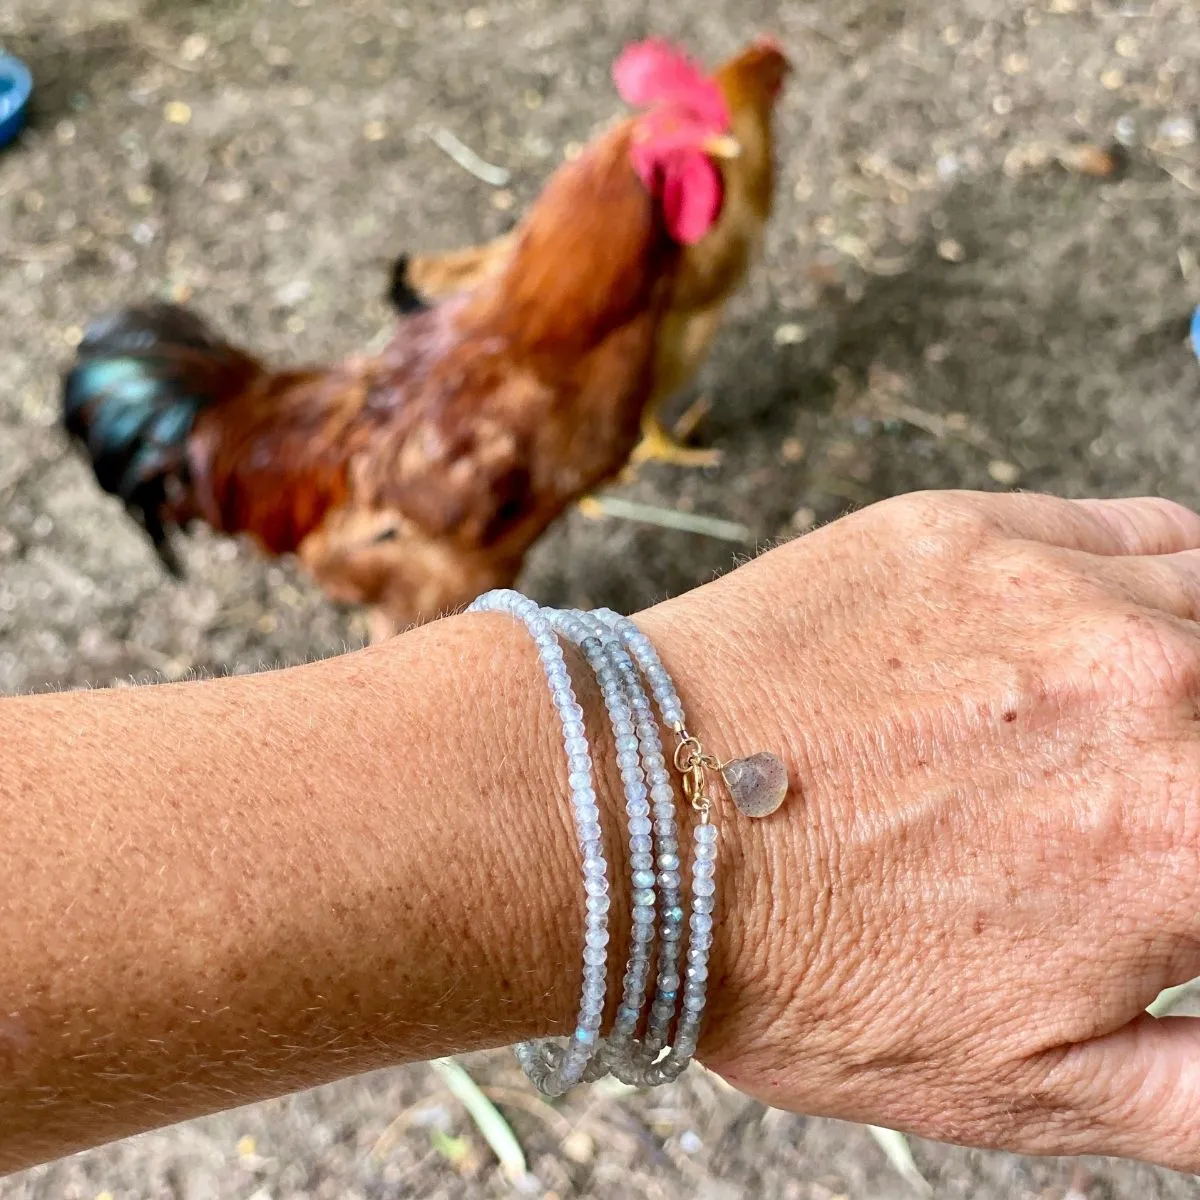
{"x": 758, "y": 784}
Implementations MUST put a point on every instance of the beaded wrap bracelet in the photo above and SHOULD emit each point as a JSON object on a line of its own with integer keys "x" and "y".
{"x": 633, "y": 682}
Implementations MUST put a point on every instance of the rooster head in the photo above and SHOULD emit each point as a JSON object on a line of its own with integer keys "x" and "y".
{"x": 684, "y": 128}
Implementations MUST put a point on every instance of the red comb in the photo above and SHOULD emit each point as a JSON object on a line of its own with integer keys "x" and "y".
{"x": 655, "y": 72}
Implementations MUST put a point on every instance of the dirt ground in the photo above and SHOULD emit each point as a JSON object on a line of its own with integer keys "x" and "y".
{"x": 944, "y": 304}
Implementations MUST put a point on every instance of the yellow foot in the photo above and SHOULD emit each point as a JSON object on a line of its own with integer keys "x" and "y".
{"x": 592, "y": 508}
{"x": 658, "y": 446}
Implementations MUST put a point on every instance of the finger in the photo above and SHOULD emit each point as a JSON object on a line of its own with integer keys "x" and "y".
{"x": 1144, "y": 525}
{"x": 1167, "y": 583}
{"x": 1133, "y": 1093}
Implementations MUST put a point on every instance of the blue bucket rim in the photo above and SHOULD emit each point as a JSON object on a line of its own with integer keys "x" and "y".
{"x": 14, "y": 69}
{"x": 14, "y": 100}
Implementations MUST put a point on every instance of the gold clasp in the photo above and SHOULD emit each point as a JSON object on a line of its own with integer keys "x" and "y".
{"x": 693, "y": 764}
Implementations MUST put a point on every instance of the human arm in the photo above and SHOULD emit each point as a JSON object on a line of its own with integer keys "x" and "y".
{"x": 214, "y": 892}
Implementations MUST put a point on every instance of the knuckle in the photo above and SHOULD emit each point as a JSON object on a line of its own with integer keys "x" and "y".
{"x": 935, "y": 527}
{"x": 934, "y": 510}
{"x": 1031, "y": 567}
{"x": 1150, "y": 656}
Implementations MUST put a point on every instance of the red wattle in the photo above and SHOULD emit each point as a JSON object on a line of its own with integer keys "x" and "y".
{"x": 692, "y": 194}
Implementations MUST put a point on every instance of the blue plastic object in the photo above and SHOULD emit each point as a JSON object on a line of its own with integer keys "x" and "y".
{"x": 16, "y": 86}
{"x": 1196, "y": 332}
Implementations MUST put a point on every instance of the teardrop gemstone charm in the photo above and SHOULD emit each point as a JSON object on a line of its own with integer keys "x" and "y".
{"x": 758, "y": 784}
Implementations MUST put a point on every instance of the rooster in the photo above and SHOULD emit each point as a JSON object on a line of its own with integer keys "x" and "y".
{"x": 412, "y": 481}
{"x": 711, "y": 269}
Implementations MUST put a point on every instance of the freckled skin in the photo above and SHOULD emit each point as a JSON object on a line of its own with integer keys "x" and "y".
{"x": 215, "y": 892}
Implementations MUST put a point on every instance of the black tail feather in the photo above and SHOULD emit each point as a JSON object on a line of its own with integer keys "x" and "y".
{"x": 140, "y": 379}
{"x": 402, "y": 296}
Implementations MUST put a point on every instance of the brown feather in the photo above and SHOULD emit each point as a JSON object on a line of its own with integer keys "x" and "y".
{"x": 710, "y": 271}
{"x": 415, "y": 480}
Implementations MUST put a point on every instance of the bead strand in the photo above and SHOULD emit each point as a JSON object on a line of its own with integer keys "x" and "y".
{"x": 597, "y": 645}
{"x": 629, "y": 1059}
{"x": 555, "y": 1073}
{"x": 703, "y": 861}
{"x": 633, "y": 682}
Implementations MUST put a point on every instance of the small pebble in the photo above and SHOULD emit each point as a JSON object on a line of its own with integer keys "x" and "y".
{"x": 803, "y": 519}
{"x": 578, "y": 1146}
{"x": 1113, "y": 79}
{"x": 1002, "y": 105}
{"x": 475, "y": 18}
{"x": 951, "y": 250}
{"x": 72, "y": 335}
{"x": 177, "y": 112}
{"x": 572, "y": 150}
{"x": 1125, "y": 130}
{"x": 948, "y": 167}
{"x": 1004, "y": 473}
{"x": 1089, "y": 159}
{"x": 291, "y": 294}
{"x": 503, "y": 200}
{"x": 689, "y": 1142}
{"x": 375, "y": 131}
{"x": 247, "y": 1147}
{"x": 791, "y": 450}
{"x": 1178, "y": 131}
{"x": 194, "y": 47}
{"x": 790, "y": 334}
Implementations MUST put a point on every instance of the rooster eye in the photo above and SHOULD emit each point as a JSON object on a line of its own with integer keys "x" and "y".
{"x": 390, "y": 534}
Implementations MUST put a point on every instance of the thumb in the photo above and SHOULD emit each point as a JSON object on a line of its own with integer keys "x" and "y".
{"x": 1134, "y": 1093}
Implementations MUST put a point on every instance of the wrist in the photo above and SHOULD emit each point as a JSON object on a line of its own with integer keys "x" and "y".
{"x": 774, "y": 871}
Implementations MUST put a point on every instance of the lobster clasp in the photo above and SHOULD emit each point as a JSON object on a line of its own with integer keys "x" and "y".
{"x": 692, "y": 763}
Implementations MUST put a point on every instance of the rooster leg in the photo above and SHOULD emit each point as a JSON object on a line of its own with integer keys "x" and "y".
{"x": 380, "y": 627}
{"x": 659, "y": 445}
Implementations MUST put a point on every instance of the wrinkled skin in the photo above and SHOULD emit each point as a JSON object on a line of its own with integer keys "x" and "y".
{"x": 989, "y": 864}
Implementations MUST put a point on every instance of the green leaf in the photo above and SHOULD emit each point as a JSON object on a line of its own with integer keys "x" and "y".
{"x": 452, "y": 1149}
{"x": 496, "y": 1130}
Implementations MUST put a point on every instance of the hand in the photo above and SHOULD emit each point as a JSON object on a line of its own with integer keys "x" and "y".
{"x": 989, "y": 864}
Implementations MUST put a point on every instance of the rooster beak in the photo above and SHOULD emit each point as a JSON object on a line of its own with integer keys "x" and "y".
{"x": 723, "y": 146}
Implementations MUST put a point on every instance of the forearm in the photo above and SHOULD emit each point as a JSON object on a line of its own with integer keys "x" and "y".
{"x": 279, "y": 879}
{"x": 219, "y": 891}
